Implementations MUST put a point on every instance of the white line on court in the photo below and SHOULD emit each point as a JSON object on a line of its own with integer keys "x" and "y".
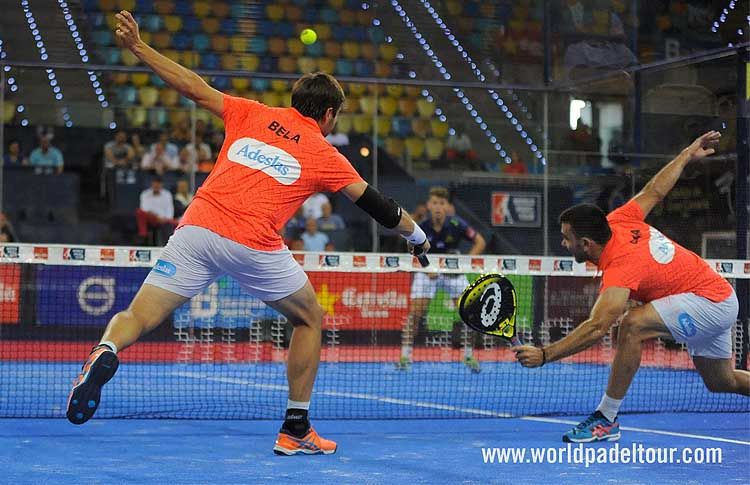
{"x": 442, "y": 407}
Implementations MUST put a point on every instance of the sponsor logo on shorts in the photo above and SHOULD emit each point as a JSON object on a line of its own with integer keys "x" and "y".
{"x": 139, "y": 255}
{"x": 359, "y": 261}
{"x": 687, "y": 324}
{"x": 164, "y": 268}
{"x": 41, "y": 252}
{"x": 11, "y": 252}
{"x": 724, "y": 267}
{"x": 331, "y": 260}
{"x": 449, "y": 263}
{"x": 74, "y": 254}
{"x": 272, "y": 161}
{"x": 563, "y": 265}
{"x": 535, "y": 265}
{"x": 106, "y": 254}
{"x": 390, "y": 261}
{"x": 508, "y": 264}
{"x": 477, "y": 263}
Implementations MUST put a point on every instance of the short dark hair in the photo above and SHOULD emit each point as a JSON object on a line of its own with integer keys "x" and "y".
{"x": 314, "y": 93}
{"x": 157, "y": 178}
{"x": 441, "y": 192}
{"x": 587, "y": 220}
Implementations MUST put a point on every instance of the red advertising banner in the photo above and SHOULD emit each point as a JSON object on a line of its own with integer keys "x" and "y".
{"x": 10, "y": 293}
{"x": 354, "y": 301}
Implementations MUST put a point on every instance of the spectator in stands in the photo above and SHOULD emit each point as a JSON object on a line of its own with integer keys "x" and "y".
{"x": 516, "y": 165}
{"x": 181, "y": 132}
{"x": 156, "y": 213}
{"x": 138, "y": 148}
{"x": 313, "y": 206}
{"x": 295, "y": 226}
{"x": 314, "y": 240}
{"x": 7, "y": 234}
{"x": 160, "y": 158}
{"x": 14, "y": 157}
{"x": 46, "y": 158}
{"x": 458, "y": 146}
{"x": 182, "y": 198}
{"x": 118, "y": 153}
{"x": 338, "y": 138}
{"x": 330, "y": 221}
{"x": 216, "y": 141}
{"x": 169, "y": 145}
{"x": 201, "y": 129}
{"x": 197, "y": 155}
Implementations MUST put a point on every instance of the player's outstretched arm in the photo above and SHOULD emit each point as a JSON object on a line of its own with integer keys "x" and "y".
{"x": 611, "y": 303}
{"x": 185, "y": 81}
{"x": 660, "y": 185}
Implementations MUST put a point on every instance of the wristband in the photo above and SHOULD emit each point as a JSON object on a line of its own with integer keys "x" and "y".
{"x": 417, "y": 237}
{"x": 544, "y": 357}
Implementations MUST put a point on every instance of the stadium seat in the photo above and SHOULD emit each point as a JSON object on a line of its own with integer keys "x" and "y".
{"x": 156, "y": 81}
{"x": 344, "y": 123}
{"x": 201, "y": 9}
{"x": 162, "y": 40}
{"x": 107, "y": 5}
{"x": 172, "y": 55}
{"x": 376, "y": 35}
{"x": 228, "y": 26}
{"x": 407, "y": 107}
{"x": 151, "y": 23}
{"x": 238, "y": 10}
{"x": 9, "y": 111}
{"x": 260, "y": 84}
{"x": 148, "y": 96}
{"x": 286, "y": 99}
{"x": 229, "y": 61}
{"x": 287, "y": 65}
{"x": 434, "y": 148}
{"x": 111, "y": 55}
{"x": 314, "y": 50}
{"x": 362, "y": 124}
{"x": 395, "y": 90}
{"x": 210, "y": 25}
{"x": 190, "y": 59}
{"x": 119, "y": 78}
{"x": 328, "y": 15}
{"x": 177, "y": 116}
{"x": 344, "y": 67}
{"x": 414, "y": 148}
{"x": 164, "y": 7}
{"x": 347, "y": 17}
{"x": 384, "y": 126}
{"x": 276, "y": 46}
{"x": 425, "y": 108}
{"x": 323, "y": 31}
{"x": 274, "y": 12}
{"x": 383, "y": 69}
{"x": 139, "y": 79}
{"x": 387, "y": 52}
{"x": 221, "y": 83}
{"x": 201, "y": 42}
{"x": 453, "y": 7}
{"x": 364, "y": 17}
{"x": 294, "y": 13}
{"x": 144, "y": 6}
{"x": 332, "y": 49}
{"x": 279, "y": 85}
{"x": 173, "y": 23}
{"x": 350, "y": 50}
{"x": 387, "y": 105}
{"x": 169, "y": 97}
{"x": 257, "y": 45}
{"x": 351, "y": 104}
{"x": 209, "y": 60}
{"x": 368, "y": 51}
{"x": 420, "y": 127}
{"x": 238, "y": 43}
{"x": 413, "y": 91}
{"x": 182, "y": 8}
{"x": 295, "y": 47}
{"x": 240, "y": 83}
{"x": 394, "y": 147}
{"x": 249, "y": 62}
{"x": 401, "y": 126}
{"x": 364, "y": 68}
{"x": 136, "y": 116}
{"x": 271, "y": 98}
{"x": 102, "y": 37}
{"x": 376, "y": 89}
{"x": 439, "y": 128}
{"x": 337, "y": 4}
{"x": 187, "y": 103}
{"x": 367, "y": 105}
{"x": 326, "y": 64}
{"x": 220, "y": 9}
{"x": 219, "y": 43}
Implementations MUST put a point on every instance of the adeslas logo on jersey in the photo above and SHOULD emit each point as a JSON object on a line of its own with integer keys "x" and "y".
{"x": 272, "y": 161}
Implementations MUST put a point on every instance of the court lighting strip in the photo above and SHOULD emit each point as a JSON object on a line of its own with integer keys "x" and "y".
{"x": 51, "y": 76}
{"x": 447, "y": 76}
{"x": 13, "y": 84}
{"x": 501, "y": 104}
{"x": 93, "y": 78}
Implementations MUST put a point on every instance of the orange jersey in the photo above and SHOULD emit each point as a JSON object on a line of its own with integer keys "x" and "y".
{"x": 272, "y": 160}
{"x": 652, "y": 266}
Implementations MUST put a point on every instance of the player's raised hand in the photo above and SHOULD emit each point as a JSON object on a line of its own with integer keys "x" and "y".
{"x": 126, "y": 32}
{"x": 529, "y": 356}
{"x": 703, "y": 146}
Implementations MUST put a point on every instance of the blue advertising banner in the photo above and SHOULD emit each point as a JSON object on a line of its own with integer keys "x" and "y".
{"x": 84, "y": 295}
{"x": 222, "y": 305}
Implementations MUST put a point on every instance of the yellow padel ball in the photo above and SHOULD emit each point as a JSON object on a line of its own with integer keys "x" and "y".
{"x": 308, "y": 36}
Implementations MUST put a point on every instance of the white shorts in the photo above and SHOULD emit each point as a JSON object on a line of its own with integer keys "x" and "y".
{"x": 194, "y": 257}
{"x": 422, "y": 286}
{"x": 705, "y": 326}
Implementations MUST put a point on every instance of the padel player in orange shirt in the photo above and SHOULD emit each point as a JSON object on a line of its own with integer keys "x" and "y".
{"x": 272, "y": 160}
{"x": 684, "y": 299}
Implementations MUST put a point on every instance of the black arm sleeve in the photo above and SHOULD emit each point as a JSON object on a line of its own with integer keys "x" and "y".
{"x": 386, "y": 211}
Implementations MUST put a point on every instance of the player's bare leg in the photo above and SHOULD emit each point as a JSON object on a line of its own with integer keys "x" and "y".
{"x": 409, "y": 331}
{"x": 719, "y": 375}
{"x": 148, "y": 309}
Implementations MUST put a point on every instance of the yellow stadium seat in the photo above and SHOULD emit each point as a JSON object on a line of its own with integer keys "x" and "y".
{"x": 191, "y": 59}
{"x": 240, "y": 83}
{"x": 439, "y": 128}
{"x": 146, "y": 37}
{"x": 177, "y": 116}
{"x": 276, "y": 46}
{"x": 210, "y": 25}
{"x": 337, "y": 4}
{"x": 111, "y": 21}
{"x": 350, "y": 49}
{"x": 220, "y": 43}
{"x": 286, "y": 99}
{"x": 425, "y": 108}
{"x": 274, "y": 12}
{"x": 407, "y": 107}
{"x": 434, "y": 148}
{"x": 394, "y": 90}
{"x": 216, "y": 122}
{"x": 453, "y": 7}
{"x": 331, "y": 48}
{"x": 387, "y": 52}
{"x": 169, "y": 97}
{"x": 306, "y": 64}
{"x": 323, "y": 31}
{"x": 202, "y": 115}
{"x": 148, "y": 96}
{"x": 254, "y": 95}
{"x": 414, "y": 148}
{"x": 356, "y": 89}
{"x": 163, "y": 7}
{"x": 413, "y": 91}
{"x": 119, "y": 78}
{"x": 162, "y": 40}
{"x": 139, "y": 79}
{"x": 394, "y": 147}
{"x": 172, "y": 55}
{"x": 9, "y": 111}
{"x": 287, "y": 65}
{"x": 128, "y": 5}
{"x": 271, "y": 98}
{"x": 368, "y": 51}
{"x": 326, "y": 64}
{"x": 173, "y": 23}
{"x": 387, "y": 105}
{"x": 364, "y": 17}
{"x": 220, "y": 9}
{"x": 249, "y": 62}
{"x": 347, "y": 17}
{"x": 136, "y": 116}
{"x": 229, "y": 61}
{"x": 362, "y": 124}
{"x": 382, "y": 69}
{"x": 374, "y": 89}
{"x": 201, "y": 9}
{"x": 279, "y": 85}
{"x": 107, "y": 5}
{"x": 384, "y": 126}
{"x": 238, "y": 43}
{"x": 351, "y": 104}
{"x": 128, "y": 58}
{"x": 344, "y": 123}
{"x": 246, "y": 26}
{"x": 295, "y": 47}
{"x": 294, "y": 13}
{"x": 367, "y": 105}
{"x": 420, "y": 128}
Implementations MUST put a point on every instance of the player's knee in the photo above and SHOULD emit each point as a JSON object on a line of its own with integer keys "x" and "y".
{"x": 311, "y": 317}
{"x": 721, "y": 384}
{"x": 631, "y": 327}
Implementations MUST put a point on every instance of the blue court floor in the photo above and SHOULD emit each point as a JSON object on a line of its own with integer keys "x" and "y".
{"x": 382, "y": 451}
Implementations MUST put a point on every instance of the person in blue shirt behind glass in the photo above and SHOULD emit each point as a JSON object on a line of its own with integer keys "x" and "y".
{"x": 314, "y": 240}
{"x": 445, "y": 232}
{"x": 46, "y": 158}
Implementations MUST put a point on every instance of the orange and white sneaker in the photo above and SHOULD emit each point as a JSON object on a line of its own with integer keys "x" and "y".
{"x": 310, "y": 444}
{"x": 83, "y": 399}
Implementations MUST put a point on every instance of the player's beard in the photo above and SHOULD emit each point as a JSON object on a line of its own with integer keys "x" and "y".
{"x": 579, "y": 254}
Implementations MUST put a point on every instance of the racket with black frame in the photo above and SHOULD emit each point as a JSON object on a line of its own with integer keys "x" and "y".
{"x": 488, "y": 305}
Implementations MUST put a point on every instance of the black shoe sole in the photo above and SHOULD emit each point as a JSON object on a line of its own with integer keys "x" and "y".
{"x": 84, "y": 399}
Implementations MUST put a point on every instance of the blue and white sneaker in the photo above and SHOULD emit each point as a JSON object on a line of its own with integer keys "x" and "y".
{"x": 594, "y": 428}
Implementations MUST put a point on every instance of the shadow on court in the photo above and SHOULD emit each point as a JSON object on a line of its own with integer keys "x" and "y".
{"x": 386, "y": 451}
